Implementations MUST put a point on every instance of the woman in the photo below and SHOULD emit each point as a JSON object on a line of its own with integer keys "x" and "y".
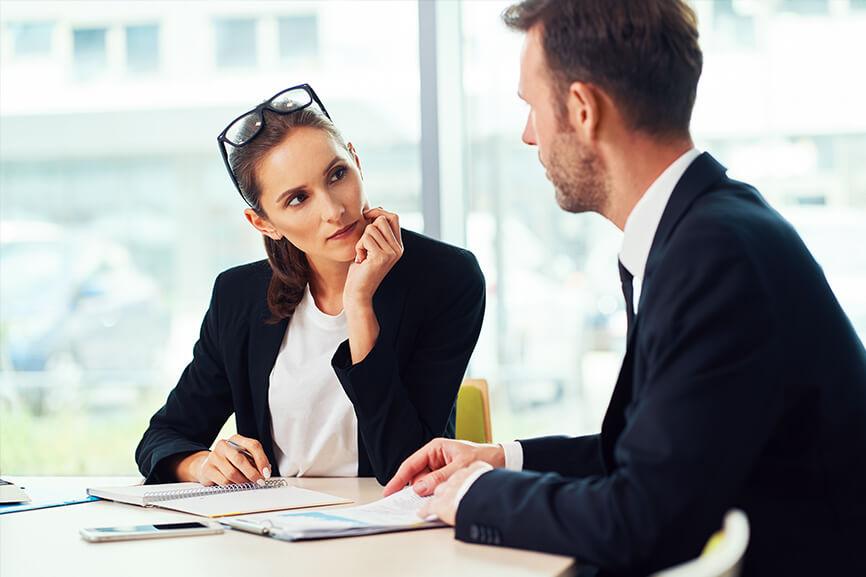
{"x": 343, "y": 352}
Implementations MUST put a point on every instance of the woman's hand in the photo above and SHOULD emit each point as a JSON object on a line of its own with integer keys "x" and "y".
{"x": 226, "y": 464}
{"x": 376, "y": 253}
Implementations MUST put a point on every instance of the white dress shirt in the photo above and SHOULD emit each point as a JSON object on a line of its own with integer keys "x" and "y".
{"x": 314, "y": 426}
{"x": 638, "y": 233}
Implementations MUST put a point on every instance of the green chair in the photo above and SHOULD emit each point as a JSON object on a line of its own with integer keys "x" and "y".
{"x": 473, "y": 412}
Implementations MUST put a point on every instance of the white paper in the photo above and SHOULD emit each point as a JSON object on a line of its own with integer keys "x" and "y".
{"x": 398, "y": 511}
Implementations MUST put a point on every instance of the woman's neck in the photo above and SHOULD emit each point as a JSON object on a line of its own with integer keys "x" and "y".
{"x": 327, "y": 279}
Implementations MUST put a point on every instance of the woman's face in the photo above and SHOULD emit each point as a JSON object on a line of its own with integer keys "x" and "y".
{"x": 312, "y": 193}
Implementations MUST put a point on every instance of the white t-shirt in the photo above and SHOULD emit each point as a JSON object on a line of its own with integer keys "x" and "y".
{"x": 313, "y": 423}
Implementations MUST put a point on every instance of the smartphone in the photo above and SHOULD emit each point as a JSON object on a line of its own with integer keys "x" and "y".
{"x": 100, "y": 534}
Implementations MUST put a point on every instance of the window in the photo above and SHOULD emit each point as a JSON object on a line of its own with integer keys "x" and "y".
{"x": 235, "y": 43}
{"x": 115, "y": 220}
{"x": 552, "y": 360}
{"x": 89, "y": 50}
{"x": 299, "y": 37}
{"x": 142, "y": 48}
{"x": 31, "y": 38}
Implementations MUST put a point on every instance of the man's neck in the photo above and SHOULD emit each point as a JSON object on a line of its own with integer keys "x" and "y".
{"x": 633, "y": 168}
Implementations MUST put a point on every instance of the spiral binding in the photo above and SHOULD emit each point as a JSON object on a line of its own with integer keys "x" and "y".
{"x": 157, "y": 496}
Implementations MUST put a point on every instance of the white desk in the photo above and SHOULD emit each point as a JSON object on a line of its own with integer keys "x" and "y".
{"x": 46, "y": 542}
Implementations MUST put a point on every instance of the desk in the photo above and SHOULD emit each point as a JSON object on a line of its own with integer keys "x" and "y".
{"x": 46, "y": 542}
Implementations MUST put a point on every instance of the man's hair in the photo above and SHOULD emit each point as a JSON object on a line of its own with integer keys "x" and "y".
{"x": 643, "y": 53}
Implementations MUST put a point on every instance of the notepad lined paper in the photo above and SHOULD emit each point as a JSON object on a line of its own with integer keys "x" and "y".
{"x": 219, "y": 501}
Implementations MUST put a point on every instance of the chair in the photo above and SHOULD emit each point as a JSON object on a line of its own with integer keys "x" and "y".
{"x": 723, "y": 554}
{"x": 473, "y": 412}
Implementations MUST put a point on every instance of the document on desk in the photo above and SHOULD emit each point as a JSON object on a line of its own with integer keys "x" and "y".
{"x": 219, "y": 501}
{"x": 398, "y": 512}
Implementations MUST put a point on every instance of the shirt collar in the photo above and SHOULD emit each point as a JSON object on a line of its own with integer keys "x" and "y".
{"x": 641, "y": 224}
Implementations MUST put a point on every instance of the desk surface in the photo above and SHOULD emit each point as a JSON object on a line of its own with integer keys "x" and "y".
{"x": 46, "y": 542}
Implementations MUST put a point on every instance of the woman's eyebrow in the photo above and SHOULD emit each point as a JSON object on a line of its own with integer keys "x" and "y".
{"x": 291, "y": 191}
{"x": 330, "y": 165}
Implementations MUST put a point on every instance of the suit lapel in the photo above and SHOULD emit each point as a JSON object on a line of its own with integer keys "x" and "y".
{"x": 701, "y": 174}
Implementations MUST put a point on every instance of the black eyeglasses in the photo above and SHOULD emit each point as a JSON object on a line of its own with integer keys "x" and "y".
{"x": 243, "y": 129}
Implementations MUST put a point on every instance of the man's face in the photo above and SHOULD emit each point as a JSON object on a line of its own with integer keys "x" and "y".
{"x": 571, "y": 163}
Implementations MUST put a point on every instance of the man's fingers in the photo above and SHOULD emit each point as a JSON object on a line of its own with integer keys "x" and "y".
{"x": 427, "y": 457}
{"x": 424, "y": 511}
{"x": 428, "y": 483}
{"x": 418, "y": 476}
{"x": 257, "y": 451}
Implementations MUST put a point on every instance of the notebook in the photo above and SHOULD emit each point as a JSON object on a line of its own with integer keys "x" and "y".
{"x": 398, "y": 512}
{"x": 219, "y": 501}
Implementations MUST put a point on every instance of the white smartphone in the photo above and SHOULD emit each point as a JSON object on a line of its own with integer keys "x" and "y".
{"x": 100, "y": 534}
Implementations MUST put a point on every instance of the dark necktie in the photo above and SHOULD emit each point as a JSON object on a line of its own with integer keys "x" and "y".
{"x": 628, "y": 292}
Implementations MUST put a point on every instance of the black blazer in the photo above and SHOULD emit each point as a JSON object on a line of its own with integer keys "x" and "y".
{"x": 743, "y": 385}
{"x": 429, "y": 307}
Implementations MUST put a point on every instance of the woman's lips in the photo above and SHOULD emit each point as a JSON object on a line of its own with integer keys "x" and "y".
{"x": 343, "y": 232}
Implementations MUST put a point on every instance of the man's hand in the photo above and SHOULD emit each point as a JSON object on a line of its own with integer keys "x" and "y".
{"x": 445, "y": 499}
{"x": 436, "y": 461}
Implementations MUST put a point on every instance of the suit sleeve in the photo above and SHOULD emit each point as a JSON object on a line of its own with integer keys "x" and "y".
{"x": 568, "y": 456}
{"x": 196, "y": 409}
{"x": 398, "y": 412}
{"x": 706, "y": 408}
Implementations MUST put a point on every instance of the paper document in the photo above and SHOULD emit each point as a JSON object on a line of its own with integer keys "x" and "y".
{"x": 277, "y": 495}
{"x": 399, "y": 512}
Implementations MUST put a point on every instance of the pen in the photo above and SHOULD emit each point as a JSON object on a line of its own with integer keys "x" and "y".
{"x": 266, "y": 471}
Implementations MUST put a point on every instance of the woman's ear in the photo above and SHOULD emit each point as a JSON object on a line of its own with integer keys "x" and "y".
{"x": 261, "y": 224}
{"x": 357, "y": 160}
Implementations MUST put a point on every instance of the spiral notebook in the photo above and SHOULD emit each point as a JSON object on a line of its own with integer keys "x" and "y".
{"x": 219, "y": 501}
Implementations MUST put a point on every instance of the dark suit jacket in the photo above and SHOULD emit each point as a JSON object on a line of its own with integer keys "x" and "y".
{"x": 743, "y": 385}
{"x": 429, "y": 307}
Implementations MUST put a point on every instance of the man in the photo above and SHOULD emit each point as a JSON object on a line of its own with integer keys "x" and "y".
{"x": 743, "y": 383}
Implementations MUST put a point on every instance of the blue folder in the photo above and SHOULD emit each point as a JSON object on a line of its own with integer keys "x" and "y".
{"x": 15, "y": 507}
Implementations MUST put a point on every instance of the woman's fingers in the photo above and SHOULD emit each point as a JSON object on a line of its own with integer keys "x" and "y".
{"x": 360, "y": 251}
{"x": 243, "y": 464}
{"x": 211, "y": 474}
{"x": 382, "y": 224}
{"x": 393, "y": 221}
{"x": 229, "y": 471}
{"x": 228, "y": 460}
{"x": 381, "y": 243}
{"x": 257, "y": 451}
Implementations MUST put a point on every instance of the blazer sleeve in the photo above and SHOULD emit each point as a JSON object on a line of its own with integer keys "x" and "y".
{"x": 706, "y": 409}
{"x": 568, "y": 456}
{"x": 196, "y": 409}
{"x": 399, "y": 411}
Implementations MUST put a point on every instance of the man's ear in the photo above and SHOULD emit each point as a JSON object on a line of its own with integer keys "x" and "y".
{"x": 354, "y": 154}
{"x": 583, "y": 104}
{"x": 261, "y": 224}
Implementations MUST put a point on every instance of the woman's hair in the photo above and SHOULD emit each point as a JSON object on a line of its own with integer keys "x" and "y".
{"x": 291, "y": 271}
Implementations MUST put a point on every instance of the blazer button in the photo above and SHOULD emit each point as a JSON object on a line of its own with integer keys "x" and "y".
{"x": 473, "y": 532}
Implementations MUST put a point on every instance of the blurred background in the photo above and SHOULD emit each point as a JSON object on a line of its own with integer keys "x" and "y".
{"x": 116, "y": 213}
